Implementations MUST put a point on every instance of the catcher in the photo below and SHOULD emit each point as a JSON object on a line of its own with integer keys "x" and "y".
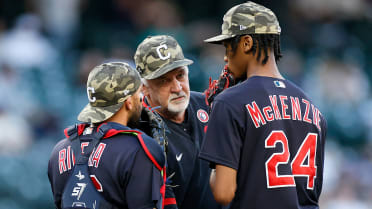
{"x": 102, "y": 163}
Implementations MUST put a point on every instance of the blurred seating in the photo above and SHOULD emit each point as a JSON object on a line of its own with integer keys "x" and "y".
{"x": 47, "y": 49}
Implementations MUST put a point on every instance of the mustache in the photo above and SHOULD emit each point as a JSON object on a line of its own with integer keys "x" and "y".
{"x": 175, "y": 95}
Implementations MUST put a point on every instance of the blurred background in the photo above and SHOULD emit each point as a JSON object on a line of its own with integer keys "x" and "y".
{"x": 48, "y": 47}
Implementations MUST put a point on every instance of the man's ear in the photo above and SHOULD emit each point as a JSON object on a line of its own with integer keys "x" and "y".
{"x": 145, "y": 91}
{"x": 247, "y": 43}
{"x": 129, "y": 103}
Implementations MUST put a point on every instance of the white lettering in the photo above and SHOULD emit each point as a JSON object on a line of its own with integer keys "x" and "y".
{"x": 163, "y": 46}
{"x": 78, "y": 190}
{"x": 91, "y": 89}
{"x": 290, "y": 109}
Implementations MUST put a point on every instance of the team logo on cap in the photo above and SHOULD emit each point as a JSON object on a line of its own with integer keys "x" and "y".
{"x": 202, "y": 115}
{"x": 161, "y": 56}
{"x": 91, "y": 89}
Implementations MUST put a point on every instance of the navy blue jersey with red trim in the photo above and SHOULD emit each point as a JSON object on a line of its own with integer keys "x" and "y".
{"x": 273, "y": 135}
{"x": 118, "y": 167}
{"x": 190, "y": 173}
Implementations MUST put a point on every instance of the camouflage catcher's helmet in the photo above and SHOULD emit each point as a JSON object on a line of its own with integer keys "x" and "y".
{"x": 247, "y": 18}
{"x": 108, "y": 86}
{"x": 157, "y": 55}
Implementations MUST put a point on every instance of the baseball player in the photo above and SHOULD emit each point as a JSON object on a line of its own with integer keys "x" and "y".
{"x": 265, "y": 136}
{"x": 164, "y": 70}
{"x": 125, "y": 165}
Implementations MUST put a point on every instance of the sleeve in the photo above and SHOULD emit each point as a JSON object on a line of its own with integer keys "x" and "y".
{"x": 145, "y": 181}
{"x": 55, "y": 183}
{"x": 222, "y": 143}
{"x": 320, "y": 156}
{"x": 57, "y": 199}
{"x": 170, "y": 198}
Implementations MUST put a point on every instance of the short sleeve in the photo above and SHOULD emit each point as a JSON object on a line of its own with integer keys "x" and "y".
{"x": 145, "y": 181}
{"x": 222, "y": 143}
{"x": 57, "y": 197}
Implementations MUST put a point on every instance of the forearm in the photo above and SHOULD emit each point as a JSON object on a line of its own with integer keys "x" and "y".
{"x": 223, "y": 184}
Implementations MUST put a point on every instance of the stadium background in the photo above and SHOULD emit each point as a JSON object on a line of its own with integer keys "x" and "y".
{"x": 47, "y": 48}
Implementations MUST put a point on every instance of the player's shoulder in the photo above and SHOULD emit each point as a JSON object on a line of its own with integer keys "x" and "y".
{"x": 150, "y": 142}
{"x": 155, "y": 150}
{"x": 196, "y": 95}
{"x": 232, "y": 93}
{"x": 258, "y": 85}
{"x": 127, "y": 138}
{"x": 130, "y": 140}
{"x": 198, "y": 99}
{"x": 148, "y": 145}
{"x": 120, "y": 134}
{"x": 61, "y": 144}
{"x": 139, "y": 139}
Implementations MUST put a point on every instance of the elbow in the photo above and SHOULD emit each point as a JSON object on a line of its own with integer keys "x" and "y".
{"x": 224, "y": 197}
{"x": 223, "y": 184}
{"x": 225, "y": 194}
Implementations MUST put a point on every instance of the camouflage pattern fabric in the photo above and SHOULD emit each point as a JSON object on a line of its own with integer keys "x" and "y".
{"x": 157, "y": 55}
{"x": 247, "y": 18}
{"x": 108, "y": 86}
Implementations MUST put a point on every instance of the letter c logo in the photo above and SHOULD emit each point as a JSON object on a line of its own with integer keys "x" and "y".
{"x": 91, "y": 99}
{"x": 164, "y": 46}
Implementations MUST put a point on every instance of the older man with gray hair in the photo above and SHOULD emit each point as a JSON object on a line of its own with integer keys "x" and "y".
{"x": 164, "y": 71}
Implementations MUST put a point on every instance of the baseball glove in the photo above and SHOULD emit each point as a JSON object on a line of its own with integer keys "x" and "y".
{"x": 155, "y": 127}
{"x": 225, "y": 81}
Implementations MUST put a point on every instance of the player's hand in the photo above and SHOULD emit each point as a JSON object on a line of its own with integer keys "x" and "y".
{"x": 225, "y": 81}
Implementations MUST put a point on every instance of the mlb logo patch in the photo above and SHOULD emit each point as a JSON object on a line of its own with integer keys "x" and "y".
{"x": 279, "y": 84}
{"x": 202, "y": 115}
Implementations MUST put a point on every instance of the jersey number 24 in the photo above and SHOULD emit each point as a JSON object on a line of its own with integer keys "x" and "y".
{"x": 307, "y": 151}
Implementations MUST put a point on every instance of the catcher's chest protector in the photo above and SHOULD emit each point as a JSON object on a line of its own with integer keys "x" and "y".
{"x": 79, "y": 191}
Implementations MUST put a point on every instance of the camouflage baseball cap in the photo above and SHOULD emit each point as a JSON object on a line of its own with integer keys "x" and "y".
{"x": 157, "y": 55}
{"x": 247, "y": 18}
{"x": 108, "y": 86}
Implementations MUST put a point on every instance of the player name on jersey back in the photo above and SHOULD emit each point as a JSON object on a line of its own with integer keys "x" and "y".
{"x": 66, "y": 157}
{"x": 291, "y": 108}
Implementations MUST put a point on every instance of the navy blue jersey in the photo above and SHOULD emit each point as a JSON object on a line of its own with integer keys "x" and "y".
{"x": 119, "y": 168}
{"x": 273, "y": 135}
{"x": 190, "y": 173}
